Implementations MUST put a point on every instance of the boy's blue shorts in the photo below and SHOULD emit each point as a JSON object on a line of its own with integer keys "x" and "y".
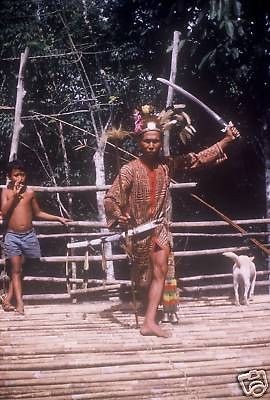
{"x": 22, "y": 244}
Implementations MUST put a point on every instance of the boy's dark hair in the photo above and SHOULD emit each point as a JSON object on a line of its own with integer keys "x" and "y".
{"x": 15, "y": 164}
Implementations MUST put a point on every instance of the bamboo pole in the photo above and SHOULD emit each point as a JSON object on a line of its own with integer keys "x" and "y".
{"x": 62, "y": 259}
{"x": 92, "y": 360}
{"x": 197, "y": 224}
{"x": 50, "y": 279}
{"x": 85, "y": 224}
{"x": 208, "y": 252}
{"x": 50, "y": 296}
{"x": 188, "y": 289}
{"x": 56, "y": 259}
{"x": 181, "y": 280}
{"x": 220, "y": 235}
{"x": 137, "y": 367}
{"x": 94, "y": 188}
{"x": 95, "y": 289}
{"x": 214, "y": 276}
{"x": 154, "y": 372}
{"x": 180, "y": 234}
{"x": 186, "y": 224}
{"x": 258, "y": 244}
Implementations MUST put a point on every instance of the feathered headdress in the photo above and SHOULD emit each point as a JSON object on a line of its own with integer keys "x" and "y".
{"x": 171, "y": 118}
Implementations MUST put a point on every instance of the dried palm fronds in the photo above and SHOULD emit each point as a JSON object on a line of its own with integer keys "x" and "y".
{"x": 117, "y": 134}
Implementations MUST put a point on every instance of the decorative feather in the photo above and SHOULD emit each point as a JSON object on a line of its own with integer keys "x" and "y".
{"x": 164, "y": 116}
{"x": 187, "y": 117}
{"x": 186, "y": 134}
{"x": 177, "y": 106}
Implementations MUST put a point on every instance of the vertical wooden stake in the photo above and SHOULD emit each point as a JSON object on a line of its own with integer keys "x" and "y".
{"x": 176, "y": 36}
{"x": 18, "y": 108}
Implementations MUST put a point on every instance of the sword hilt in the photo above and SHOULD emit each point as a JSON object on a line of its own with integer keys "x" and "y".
{"x": 229, "y": 125}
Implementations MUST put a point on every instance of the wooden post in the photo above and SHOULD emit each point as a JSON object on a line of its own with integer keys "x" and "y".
{"x": 176, "y": 36}
{"x": 66, "y": 169}
{"x": 266, "y": 149}
{"x": 18, "y": 108}
{"x": 100, "y": 180}
{"x": 168, "y": 309}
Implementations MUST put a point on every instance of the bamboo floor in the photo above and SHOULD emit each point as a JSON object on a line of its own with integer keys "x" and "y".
{"x": 92, "y": 350}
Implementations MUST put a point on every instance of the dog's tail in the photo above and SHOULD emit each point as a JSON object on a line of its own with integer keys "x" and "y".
{"x": 231, "y": 255}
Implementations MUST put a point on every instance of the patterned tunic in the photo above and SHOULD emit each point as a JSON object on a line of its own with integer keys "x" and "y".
{"x": 143, "y": 193}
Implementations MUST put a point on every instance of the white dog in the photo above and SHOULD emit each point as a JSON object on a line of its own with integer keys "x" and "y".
{"x": 244, "y": 274}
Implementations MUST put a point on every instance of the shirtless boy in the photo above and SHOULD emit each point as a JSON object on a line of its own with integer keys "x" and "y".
{"x": 19, "y": 207}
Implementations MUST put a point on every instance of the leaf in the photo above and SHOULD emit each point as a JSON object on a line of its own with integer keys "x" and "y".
{"x": 229, "y": 28}
{"x": 209, "y": 55}
{"x": 226, "y": 9}
{"x": 241, "y": 31}
{"x": 113, "y": 99}
{"x": 235, "y": 53}
{"x": 213, "y": 12}
{"x": 237, "y": 8}
{"x": 219, "y": 10}
{"x": 181, "y": 44}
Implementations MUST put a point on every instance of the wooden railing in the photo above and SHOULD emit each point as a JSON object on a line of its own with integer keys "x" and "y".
{"x": 82, "y": 230}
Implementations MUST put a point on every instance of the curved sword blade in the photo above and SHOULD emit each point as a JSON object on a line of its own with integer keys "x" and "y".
{"x": 191, "y": 97}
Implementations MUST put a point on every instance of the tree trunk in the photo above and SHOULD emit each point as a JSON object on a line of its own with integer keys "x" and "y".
{"x": 100, "y": 180}
{"x": 18, "y": 109}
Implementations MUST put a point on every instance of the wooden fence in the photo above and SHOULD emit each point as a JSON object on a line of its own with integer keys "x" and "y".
{"x": 77, "y": 281}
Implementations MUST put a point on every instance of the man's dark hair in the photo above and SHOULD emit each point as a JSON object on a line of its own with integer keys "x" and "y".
{"x": 15, "y": 164}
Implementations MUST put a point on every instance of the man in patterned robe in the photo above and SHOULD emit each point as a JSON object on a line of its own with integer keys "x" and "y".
{"x": 140, "y": 194}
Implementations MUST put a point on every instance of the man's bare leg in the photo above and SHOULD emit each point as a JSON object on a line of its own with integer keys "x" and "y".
{"x": 159, "y": 259}
{"x": 16, "y": 269}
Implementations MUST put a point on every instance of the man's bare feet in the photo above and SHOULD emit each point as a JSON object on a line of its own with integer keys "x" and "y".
{"x": 20, "y": 309}
{"x": 154, "y": 330}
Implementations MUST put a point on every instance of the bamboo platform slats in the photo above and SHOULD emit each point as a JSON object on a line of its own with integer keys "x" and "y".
{"x": 92, "y": 351}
